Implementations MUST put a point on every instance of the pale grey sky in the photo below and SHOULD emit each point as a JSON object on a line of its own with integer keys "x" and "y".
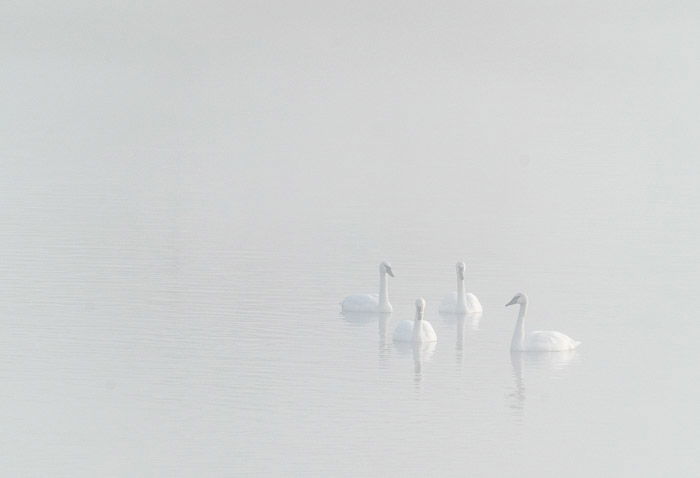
{"x": 309, "y": 80}
{"x": 308, "y": 100}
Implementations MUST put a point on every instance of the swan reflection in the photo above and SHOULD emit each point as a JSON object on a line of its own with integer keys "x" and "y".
{"x": 461, "y": 323}
{"x": 421, "y": 352}
{"x": 547, "y": 364}
{"x": 459, "y": 346}
{"x": 384, "y": 346}
{"x": 362, "y": 319}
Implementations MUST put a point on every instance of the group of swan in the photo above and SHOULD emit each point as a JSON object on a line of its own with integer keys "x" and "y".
{"x": 460, "y": 302}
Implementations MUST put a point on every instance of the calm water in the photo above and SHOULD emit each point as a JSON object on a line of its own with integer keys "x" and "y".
{"x": 147, "y": 331}
{"x": 188, "y": 192}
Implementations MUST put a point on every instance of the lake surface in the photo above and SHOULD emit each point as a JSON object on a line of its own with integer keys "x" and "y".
{"x": 188, "y": 194}
{"x": 150, "y": 330}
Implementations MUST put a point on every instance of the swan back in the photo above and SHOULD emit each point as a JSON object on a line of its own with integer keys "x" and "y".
{"x": 404, "y": 331}
{"x": 361, "y": 303}
{"x": 549, "y": 341}
{"x": 423, "y": 332}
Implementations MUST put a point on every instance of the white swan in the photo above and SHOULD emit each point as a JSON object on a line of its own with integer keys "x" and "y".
{"x": 460, "y": 301}
{"x": 371, "y": 302}
{"x": 547, "y": 341}
{"x": 417, "y": 330}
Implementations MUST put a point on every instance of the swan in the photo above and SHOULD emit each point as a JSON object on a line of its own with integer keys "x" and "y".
{"x": 372, "y": 302}
{"x": 417, "y": 330}
{"x": 547, "y": 341}
{"x": 460, "y": 301}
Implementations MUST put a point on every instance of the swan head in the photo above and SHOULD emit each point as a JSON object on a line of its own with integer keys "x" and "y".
{"x": 385, "y": 268}
{"x": 519, "y": 298}
{"x": 461, "y": 266}
{"x": 420, "y": 308}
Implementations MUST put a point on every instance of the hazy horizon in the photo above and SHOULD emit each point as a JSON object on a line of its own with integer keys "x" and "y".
{"x": 190, "y": 190}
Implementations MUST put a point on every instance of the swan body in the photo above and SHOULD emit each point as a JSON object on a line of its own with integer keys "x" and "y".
{"x": 417, "y": 330}
{"x": 538, "y": 341}
{"x": 404, "y": 331}
{"x": 450, "y": 304}
{"x": 460, "y": 301}
{"x": 372, "y": 302}
{"x": 548, "y": 341}
{"x": 362, "y": 303}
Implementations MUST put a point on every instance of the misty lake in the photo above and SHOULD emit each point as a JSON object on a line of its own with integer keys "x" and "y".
{"x": 187, "y": 200}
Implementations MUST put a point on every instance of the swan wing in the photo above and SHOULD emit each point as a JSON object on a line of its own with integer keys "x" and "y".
{"x": 404, "y": 331}
{"x": 549, "y": 341}
{"x": 473, "y": 304}
{"x": 448, "y": 304}
{"x": 360, "y": 303}
{"x": 426, "y": 333}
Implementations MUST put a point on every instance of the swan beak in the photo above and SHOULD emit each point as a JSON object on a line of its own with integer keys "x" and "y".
{"x": 389, "y": 271}
{"x": 514, "y": 300}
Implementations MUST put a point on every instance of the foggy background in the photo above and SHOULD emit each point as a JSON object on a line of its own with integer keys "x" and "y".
{"x": 188, "y": 191}
{"x": 537, "y": 112}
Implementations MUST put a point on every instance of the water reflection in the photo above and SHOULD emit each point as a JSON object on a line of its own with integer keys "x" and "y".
{"x": 472, "y": 320}
{"x": 548, "y": 364}
{"x": 421, "y": 352}
{"x": 461, "y": 322}
{"x": 360, "y": 318}
{"x": 517, "y": 396}
{"x": 384, "y": 351}
{"x": 382, "y": 320}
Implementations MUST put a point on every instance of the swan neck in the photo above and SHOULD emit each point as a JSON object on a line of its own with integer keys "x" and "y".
{"x": 523, "y": 310}
{"x": 417, "y": 326}
{"x": 383, "y": 289}
{"x": 519, "y": 334}
{"x": 461, "y": 292}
